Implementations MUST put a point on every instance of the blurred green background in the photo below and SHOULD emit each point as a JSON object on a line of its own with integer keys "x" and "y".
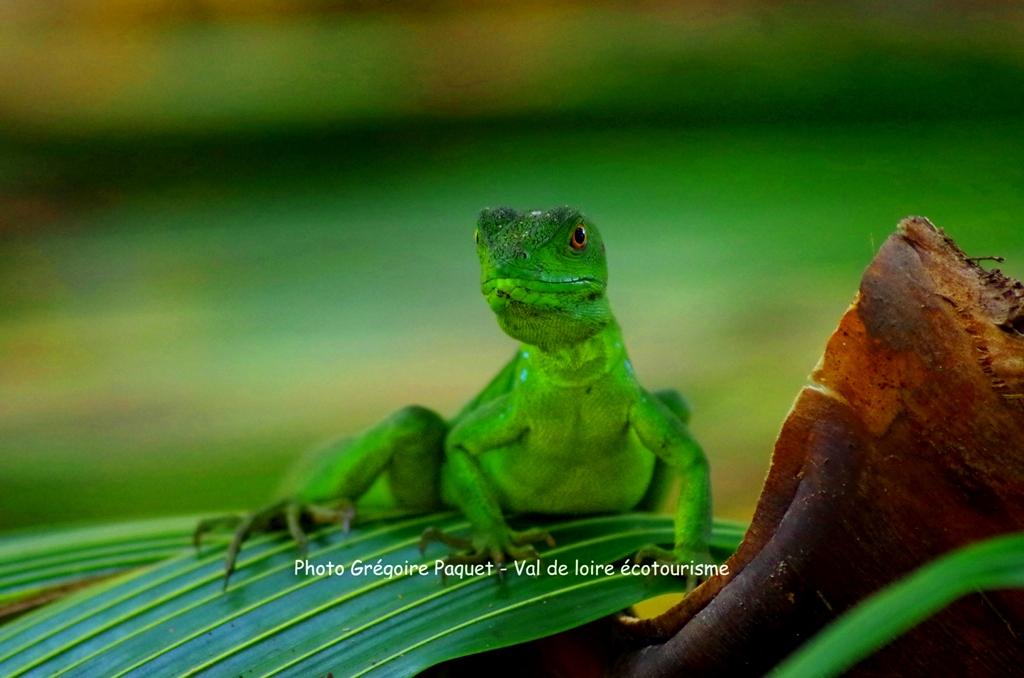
{"x": 230, "y": 230}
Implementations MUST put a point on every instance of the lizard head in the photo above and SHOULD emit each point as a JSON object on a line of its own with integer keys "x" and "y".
{"x": 544, "y": 274}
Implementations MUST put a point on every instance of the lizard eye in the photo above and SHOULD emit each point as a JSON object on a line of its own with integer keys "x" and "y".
{"x": 476, "y": 236}
{"x": 579, "y": 238}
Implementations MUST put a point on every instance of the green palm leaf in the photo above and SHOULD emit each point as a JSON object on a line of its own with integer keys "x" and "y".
{"x": 32, "y": 562}
{"x": 174, "y": 619}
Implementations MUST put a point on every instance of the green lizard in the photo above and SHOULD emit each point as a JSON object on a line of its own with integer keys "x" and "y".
{"x": 564, "y": 427}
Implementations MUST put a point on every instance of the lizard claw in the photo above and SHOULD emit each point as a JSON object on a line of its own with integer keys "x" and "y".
{"x": 258, "y": 520}
{"x": 532, "y": 536}
{"x": 210, "y": 524}
{"x": 293, "y": 517}
{"x": 343, "y": 512}
{"x": 435, "y": 534}
{"x": 527, "y": 552}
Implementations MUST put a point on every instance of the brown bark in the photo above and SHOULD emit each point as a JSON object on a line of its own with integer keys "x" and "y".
{"x": 909, "y": 444}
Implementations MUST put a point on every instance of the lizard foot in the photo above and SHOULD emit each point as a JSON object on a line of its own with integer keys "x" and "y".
{"x": 291, "y": 513}
{"x": 680, "y": 556}
{"x": 497, "y": 547}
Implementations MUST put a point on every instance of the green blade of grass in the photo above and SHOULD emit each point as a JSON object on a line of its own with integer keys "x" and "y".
{"x": 993, "y": 564}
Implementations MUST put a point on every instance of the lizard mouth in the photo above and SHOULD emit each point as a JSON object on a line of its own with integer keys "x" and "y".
{"x": 503, "y": 291}
{"x": 522, "y": 289}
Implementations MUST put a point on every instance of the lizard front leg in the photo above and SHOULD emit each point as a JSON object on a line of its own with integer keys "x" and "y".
{"x": 407, "y": 446}
{"x": 491, "y": 426}
{"x": 665, "y": 435}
